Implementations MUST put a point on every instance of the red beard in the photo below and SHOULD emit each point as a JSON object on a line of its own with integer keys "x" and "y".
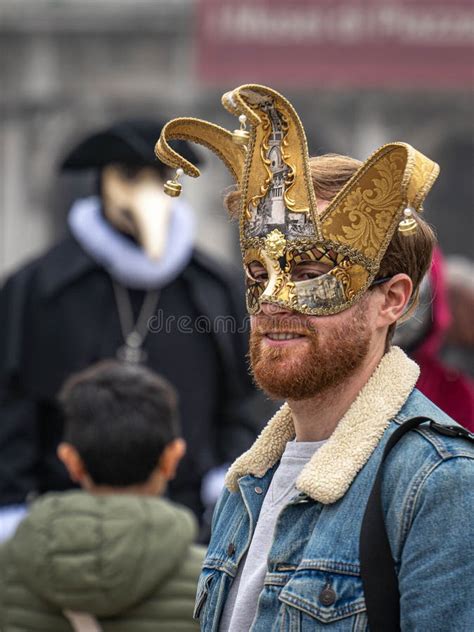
{"x": 327, "y": 357}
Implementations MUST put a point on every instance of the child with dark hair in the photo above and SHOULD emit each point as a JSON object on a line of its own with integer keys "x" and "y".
{"x": 114, "y": 555}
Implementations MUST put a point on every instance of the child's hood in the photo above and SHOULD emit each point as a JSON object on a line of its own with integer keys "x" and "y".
{"x": 100, "y": 554}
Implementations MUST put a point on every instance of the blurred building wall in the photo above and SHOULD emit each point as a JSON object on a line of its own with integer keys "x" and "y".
{"x": 71, "y": 66}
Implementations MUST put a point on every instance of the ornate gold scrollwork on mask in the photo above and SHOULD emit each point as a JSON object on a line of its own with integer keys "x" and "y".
{"x": 290, "y": 177}
{"x": 342, "y": 274}
{"x": 264, "y": 148}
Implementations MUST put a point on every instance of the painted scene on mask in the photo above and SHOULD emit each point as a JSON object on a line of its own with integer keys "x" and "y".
{"x": 271, "y": 208}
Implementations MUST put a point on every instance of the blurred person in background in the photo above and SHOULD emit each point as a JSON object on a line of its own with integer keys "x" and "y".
{"x": 458, "y": 350}
{"x": 115, "y": 552}
{"x": 129, "y": 261}
{"x": 424, "y": 335}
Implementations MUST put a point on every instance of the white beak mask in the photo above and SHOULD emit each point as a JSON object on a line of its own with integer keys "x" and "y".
{"x": 135, "y": 204}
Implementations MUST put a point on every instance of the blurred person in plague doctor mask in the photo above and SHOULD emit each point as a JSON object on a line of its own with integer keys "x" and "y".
{"x": 129, "y": 261}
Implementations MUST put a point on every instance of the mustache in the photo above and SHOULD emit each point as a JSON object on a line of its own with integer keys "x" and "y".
{"x": 262, "y": 324}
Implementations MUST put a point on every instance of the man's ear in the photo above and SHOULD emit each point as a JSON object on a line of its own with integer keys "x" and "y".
{"x": 170, "y": 458}
{"x": 68, "y": 454}
{"x": 395, "y": 294}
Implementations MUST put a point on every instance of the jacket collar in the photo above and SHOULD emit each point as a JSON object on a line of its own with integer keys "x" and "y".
{"x": 330, "y": 472}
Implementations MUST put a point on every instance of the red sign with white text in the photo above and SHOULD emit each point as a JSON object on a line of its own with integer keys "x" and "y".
{"x": 337, "y": 43}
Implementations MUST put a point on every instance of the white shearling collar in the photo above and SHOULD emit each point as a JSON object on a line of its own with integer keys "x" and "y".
{"x": 330, "y": 472}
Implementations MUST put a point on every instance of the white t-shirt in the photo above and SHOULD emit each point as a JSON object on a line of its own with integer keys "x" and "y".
{"x": 241, "y": 605}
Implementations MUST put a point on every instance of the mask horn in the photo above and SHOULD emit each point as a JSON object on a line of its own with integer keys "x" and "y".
{"x": 215, "y": 138}
{"x": 366, "y": 212}
{"x": 275, "y": 127}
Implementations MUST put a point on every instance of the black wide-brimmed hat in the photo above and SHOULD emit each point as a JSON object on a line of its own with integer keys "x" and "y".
{"x": 130, "y": 142}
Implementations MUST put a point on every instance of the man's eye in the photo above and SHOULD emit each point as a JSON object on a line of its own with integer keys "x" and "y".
{"x": 306, "y": 274}
{"x": 257, "y": 273}
{"x": 261, "y": 276}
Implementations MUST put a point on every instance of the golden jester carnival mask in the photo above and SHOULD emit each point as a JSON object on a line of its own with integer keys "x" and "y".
{"x": 280, "y": 227}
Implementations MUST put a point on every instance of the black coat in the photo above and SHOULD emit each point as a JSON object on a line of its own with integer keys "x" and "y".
{"x": 58, "y": 315}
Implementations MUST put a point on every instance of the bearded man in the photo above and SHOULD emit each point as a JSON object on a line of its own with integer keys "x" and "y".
{"x": 334, "y": 252}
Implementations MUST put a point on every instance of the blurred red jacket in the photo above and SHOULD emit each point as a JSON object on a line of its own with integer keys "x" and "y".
{"x": 447, "y": 387}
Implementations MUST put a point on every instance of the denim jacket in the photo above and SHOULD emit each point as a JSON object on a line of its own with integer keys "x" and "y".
{"x": 313, "y": 570}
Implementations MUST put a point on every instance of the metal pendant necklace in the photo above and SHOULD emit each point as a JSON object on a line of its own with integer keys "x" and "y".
{"x": 134, "y": 334}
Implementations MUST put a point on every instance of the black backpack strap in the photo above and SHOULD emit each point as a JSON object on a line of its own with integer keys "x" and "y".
{"x": 377, "y": 567}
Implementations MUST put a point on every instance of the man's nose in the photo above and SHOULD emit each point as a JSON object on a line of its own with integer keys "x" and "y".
{"x": 272, "y": 309}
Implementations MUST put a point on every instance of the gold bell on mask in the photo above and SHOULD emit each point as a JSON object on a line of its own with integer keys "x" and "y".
{"x": 172, "y": 187}
{"x": 241, "y": 136}
{"x": 408, "y": 224}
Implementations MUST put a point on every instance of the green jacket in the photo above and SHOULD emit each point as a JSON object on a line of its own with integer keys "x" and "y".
{"x": 126, "y": 560}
